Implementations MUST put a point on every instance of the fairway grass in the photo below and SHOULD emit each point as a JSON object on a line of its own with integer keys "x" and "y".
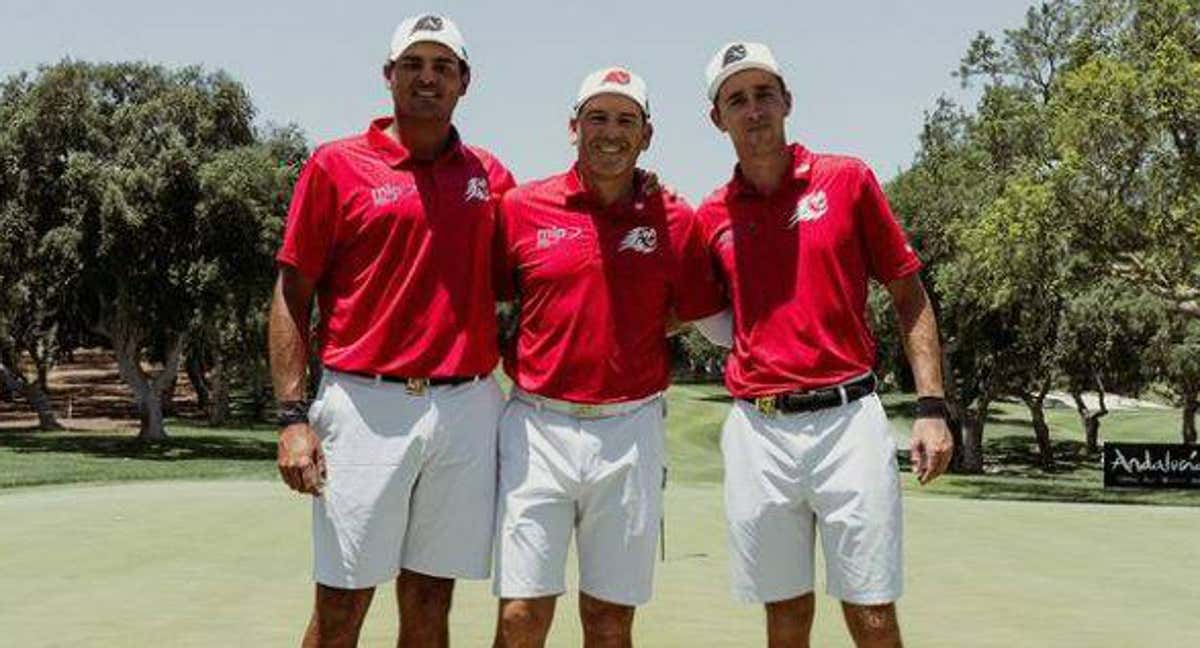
{"x": 226, "y": 563}
{"x": 32, "y": 458}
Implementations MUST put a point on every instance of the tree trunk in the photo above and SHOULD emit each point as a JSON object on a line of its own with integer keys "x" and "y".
{"x": 1041, "y": 431}
{"x": 1090, "y": 419}
{"x": 194, "y": 367}
{"x": 43, "y": 374}
{"x": 15, "y": 382}
{"x": 218, "y": 407}
{"x": 168, "y": 397}
{"x": 1189, "y": 417}
{"x": 973, "y": 422}
{"x": 148, "y": 391}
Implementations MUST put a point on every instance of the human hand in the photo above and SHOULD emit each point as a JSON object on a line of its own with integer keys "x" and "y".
{"x": 300, "y": 460}
{"x": 930, "y": 448}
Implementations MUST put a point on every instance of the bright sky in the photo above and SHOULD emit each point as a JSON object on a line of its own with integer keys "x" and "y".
{"x": 862, "y": 71}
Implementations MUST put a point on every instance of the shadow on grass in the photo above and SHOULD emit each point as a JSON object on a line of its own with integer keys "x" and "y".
{"x": 228, "y": 447}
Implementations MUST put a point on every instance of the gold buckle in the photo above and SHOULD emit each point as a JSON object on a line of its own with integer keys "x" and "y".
{"x": 584, "y": 410}
{"x": 765, "y": 405}
{"x": 416, "y": 386}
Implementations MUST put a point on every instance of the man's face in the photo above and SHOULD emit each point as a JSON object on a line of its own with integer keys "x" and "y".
{"x": 610, "y": 132}
{"x": 751, "y": 107}
{"x": 426, "y": 82}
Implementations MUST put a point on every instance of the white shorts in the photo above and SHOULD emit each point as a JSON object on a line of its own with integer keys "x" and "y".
{"x": 411, "y": 480}
{"x": 831, "y": 471}
{"x": 599, "y": 477}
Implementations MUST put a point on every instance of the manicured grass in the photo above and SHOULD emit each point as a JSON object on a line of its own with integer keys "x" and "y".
{"x": 226, "y": 563}
{"x": 31, "y": 458}
{"x": 696, "y": 411}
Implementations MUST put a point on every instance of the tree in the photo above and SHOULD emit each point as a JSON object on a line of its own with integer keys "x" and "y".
{"x": 41, "y": 122}
{"x": 155, "y": 207}
{"x": 1106, "y": 340}
{"x": 239, "y": 218}
{"x": 1127, "y": 127}
{"x": 1181, "y": 369}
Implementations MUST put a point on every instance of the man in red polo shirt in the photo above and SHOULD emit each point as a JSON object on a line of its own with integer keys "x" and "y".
{"x": 599, "y": 266}
{"x": 797, "y": 236}
{"x": 392, "y": 231}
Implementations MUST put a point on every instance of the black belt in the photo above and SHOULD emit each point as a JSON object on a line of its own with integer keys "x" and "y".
{"x": 817, "y": 399}
{"x": 414, "y": 385}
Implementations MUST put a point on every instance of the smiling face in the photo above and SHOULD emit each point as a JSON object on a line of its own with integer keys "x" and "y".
{"x": 751, "y": 107}
{"x": 426, "y": 81}
{"x": 610, "y": 132}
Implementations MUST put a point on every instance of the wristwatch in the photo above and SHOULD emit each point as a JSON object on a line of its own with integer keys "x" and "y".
{"x": 292, "y": 412}
{"x": 933, "y": 407}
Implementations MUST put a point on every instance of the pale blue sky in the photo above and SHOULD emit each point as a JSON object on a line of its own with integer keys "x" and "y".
{"x": 862, "y": 71}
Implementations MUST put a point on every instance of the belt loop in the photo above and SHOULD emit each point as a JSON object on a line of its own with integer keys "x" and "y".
{"x": 378, "y": 379}
{"x": 842, "y": 393}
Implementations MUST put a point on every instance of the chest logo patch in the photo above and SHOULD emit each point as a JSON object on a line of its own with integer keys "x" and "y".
{"x": 387, "y": 194}
{"x": 809, "y": 208}
{"x": 640, "y": 239}
{"x": 477, "y": 190}
{"x": 548, "y": 236}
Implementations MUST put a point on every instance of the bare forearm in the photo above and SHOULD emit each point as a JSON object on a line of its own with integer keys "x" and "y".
{"x": 919, "y": 333}
{"x": 288, "y": 339}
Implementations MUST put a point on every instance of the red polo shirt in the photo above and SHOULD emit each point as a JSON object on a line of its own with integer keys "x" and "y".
{"x": 596, "y": 286}
{"x": 796, "y": 264}
{"x": 400, "y": 252}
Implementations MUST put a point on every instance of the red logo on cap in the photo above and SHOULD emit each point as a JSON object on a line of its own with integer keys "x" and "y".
{"x": 619, "y": 77}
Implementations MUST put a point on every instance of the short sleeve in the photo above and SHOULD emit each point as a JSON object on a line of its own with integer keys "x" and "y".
{"x": 697, "y": 291}
{"x": 310, "y": 232}
{"x": 500, "y": 181}
{"x": 504, "y": 265}
{"x": 889, "y": 255}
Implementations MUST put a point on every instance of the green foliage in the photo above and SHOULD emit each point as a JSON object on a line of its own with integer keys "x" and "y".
{"x": 141, "y": 204}
{"x": 1081, "y": 164}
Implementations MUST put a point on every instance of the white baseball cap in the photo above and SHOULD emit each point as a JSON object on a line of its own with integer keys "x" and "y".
{"x": 735, "y": 57}
{"x": 615, "y": 80}
{"x": 428, "y": 28}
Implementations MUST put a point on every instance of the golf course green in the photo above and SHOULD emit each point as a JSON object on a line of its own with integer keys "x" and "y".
{"x": 226, "y": 563}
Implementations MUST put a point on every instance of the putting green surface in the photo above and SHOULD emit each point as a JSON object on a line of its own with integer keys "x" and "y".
{"x": 226, "y": 563}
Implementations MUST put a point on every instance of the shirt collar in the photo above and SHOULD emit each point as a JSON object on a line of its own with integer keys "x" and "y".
{"x": 573, "y": 187}
{"x": 575, "y": 191}
{"x": 394, "y": 153}
{"x": 802, "y": 162}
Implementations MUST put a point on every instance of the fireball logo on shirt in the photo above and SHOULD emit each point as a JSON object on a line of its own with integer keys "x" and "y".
{"x": 477, "y": 189}
{"x": 810, "y": 208}
{"x": 640, "y": 239}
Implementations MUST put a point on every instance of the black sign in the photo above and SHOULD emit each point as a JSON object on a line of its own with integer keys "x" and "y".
{"x": 1151, "y": 465}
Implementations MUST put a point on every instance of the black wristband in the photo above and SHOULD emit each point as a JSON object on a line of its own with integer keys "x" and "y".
{"x": 931, "y": 407}
{"x": 292, "y": 412}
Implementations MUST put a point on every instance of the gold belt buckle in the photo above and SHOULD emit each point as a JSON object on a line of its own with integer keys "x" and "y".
{"x": 416, "y": 386}
{"x": 765, "y": 405}
{"x": 584, "y": 410}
